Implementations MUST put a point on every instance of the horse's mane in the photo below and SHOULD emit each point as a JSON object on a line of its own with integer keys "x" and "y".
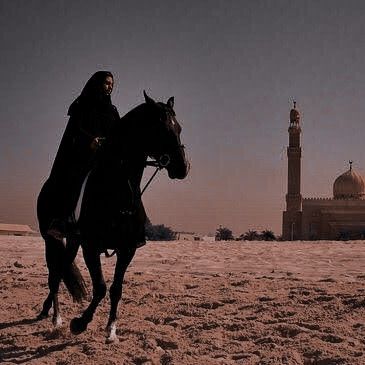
{"x": 135, "y": 121}
{"x": 139, "y": 109}
{"x": 132, "y": 115}
{"x": 133, "y": 111}
{"x": 127, "y": 124}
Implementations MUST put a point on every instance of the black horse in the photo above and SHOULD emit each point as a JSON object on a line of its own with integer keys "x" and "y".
{"x": 112, "y": 214}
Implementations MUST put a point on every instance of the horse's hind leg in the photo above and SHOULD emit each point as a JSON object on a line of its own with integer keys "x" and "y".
{"x": 52, "y": 298}
{"x": 123, "y": 260}
{"x": 54, "y": 263}
{"x": 92, "y": 260}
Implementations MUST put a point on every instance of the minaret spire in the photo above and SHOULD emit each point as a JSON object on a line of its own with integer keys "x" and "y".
{"x": 294, "y": 115}
{"x": 292, "y": 215}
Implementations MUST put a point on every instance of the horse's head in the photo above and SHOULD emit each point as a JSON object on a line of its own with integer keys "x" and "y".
{"x": 163, "y": 139}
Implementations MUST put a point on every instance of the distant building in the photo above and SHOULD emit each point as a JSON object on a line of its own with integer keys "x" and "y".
{"x": 17, "y": 230}
{"x": 340, "y": 217}
{"x": 188, "y": 236}
{"x": 207, "y": 238}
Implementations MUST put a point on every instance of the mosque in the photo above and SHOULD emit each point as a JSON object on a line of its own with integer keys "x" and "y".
{"x": 337, "y": 218}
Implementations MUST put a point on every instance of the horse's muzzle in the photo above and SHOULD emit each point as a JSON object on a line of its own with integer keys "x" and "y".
{"x": 178, "y": 170}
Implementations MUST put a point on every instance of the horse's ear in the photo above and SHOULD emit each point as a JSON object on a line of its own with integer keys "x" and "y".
{"x": 171, "y": 102}
{"x": 148, "y": 99}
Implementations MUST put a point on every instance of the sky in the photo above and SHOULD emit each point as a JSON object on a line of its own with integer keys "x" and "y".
{"x": 234, "y": 68}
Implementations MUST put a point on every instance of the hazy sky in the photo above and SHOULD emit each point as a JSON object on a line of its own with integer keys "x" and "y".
{"x": 233, "y": 66}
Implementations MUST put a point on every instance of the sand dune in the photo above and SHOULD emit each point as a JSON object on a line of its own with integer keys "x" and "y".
{"x": 197, "y": 303}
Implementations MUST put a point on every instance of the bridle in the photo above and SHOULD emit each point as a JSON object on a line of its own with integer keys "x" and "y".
{"x": 161, "y": 163}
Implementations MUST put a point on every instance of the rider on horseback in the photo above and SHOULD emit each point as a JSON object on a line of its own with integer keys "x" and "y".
{"x": 92, "y": 117}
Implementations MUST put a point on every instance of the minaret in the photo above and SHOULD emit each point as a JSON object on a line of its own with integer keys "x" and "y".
{"x": 293, "y": 214}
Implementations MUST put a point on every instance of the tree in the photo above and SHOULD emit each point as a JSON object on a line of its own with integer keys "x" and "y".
{"x": 223, "y": 234}
{"x": 267, "y": 235}
{"x": 250, "y": 235}
{"x": 159, "y": 232}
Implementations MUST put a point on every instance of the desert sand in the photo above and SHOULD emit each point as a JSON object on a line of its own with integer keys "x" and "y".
{"x": 197, "y": 303}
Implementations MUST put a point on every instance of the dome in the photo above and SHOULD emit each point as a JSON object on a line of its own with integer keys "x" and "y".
{"x": 349, "y": 185}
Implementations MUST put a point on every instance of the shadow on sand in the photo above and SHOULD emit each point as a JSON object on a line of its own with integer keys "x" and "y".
{"x": 10, "y": 352}
{"x": 22, "y": 354}
{"x": 20, "y": 322}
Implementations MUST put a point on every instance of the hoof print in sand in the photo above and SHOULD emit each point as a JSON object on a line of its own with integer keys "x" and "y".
{"x": 265, "y": 299}
{"x": 212, "y": 305}
{"x": 332, "y": 339}
{"x": 240, "y": 283}
{"x": 166, "y": 345}
{"x": 18, "y": 265}
{"x": 287, "y": 330}
{"x": 191, "y": 286}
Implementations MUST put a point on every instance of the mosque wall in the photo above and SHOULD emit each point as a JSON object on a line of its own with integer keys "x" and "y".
{"x": 333, "y": 219}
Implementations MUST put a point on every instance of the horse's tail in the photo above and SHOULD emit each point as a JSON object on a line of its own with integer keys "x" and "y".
{"x": 72, "y": 277}
{"x": 74, "y": 282}
{"x": 60, "y": 261}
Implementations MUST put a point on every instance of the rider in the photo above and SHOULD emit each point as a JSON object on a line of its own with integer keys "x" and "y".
{"x": 92, "y": 116}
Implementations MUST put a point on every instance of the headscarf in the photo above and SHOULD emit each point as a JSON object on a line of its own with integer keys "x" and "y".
{"x": 92, "y": 95}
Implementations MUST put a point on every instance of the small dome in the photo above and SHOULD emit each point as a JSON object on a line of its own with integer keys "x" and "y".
{"x": 294, "y": 115}
{"x": 349, "y": 185}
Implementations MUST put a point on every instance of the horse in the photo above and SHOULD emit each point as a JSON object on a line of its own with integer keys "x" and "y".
{"x": 112, "y": 216}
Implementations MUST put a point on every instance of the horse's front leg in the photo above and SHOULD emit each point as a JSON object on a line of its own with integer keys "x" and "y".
{"x": 123, "y": 260}
{"x": 92, "y": 260}
{"x": 47, "y": 305}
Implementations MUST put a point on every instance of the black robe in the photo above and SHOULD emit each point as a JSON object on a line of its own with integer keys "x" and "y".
{"x": 75, "y": 157}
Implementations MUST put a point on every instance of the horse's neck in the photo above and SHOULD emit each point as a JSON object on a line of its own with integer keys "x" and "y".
{"x": 134, "y": 119}
{"x": 129, "y": 135}
{"x": 133, "y": 168}
{"x": 129, "y": 142}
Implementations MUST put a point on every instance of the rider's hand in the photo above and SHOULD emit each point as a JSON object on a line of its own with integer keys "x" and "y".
{"x": 96, "y": 143}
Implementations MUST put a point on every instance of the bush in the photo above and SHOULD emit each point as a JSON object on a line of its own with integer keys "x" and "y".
{"x": 252, "y": 235}
{"x": 268, "y": 235}
{"x": 223, "y": 234}
{"x": 159, "y": 232}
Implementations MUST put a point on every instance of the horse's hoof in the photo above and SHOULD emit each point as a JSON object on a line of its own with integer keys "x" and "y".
{"x": 57, "y": 321}
{"x": 77, "y": 326}
{"x": 111, "y": 330}
{"x": 110, "y": 340}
